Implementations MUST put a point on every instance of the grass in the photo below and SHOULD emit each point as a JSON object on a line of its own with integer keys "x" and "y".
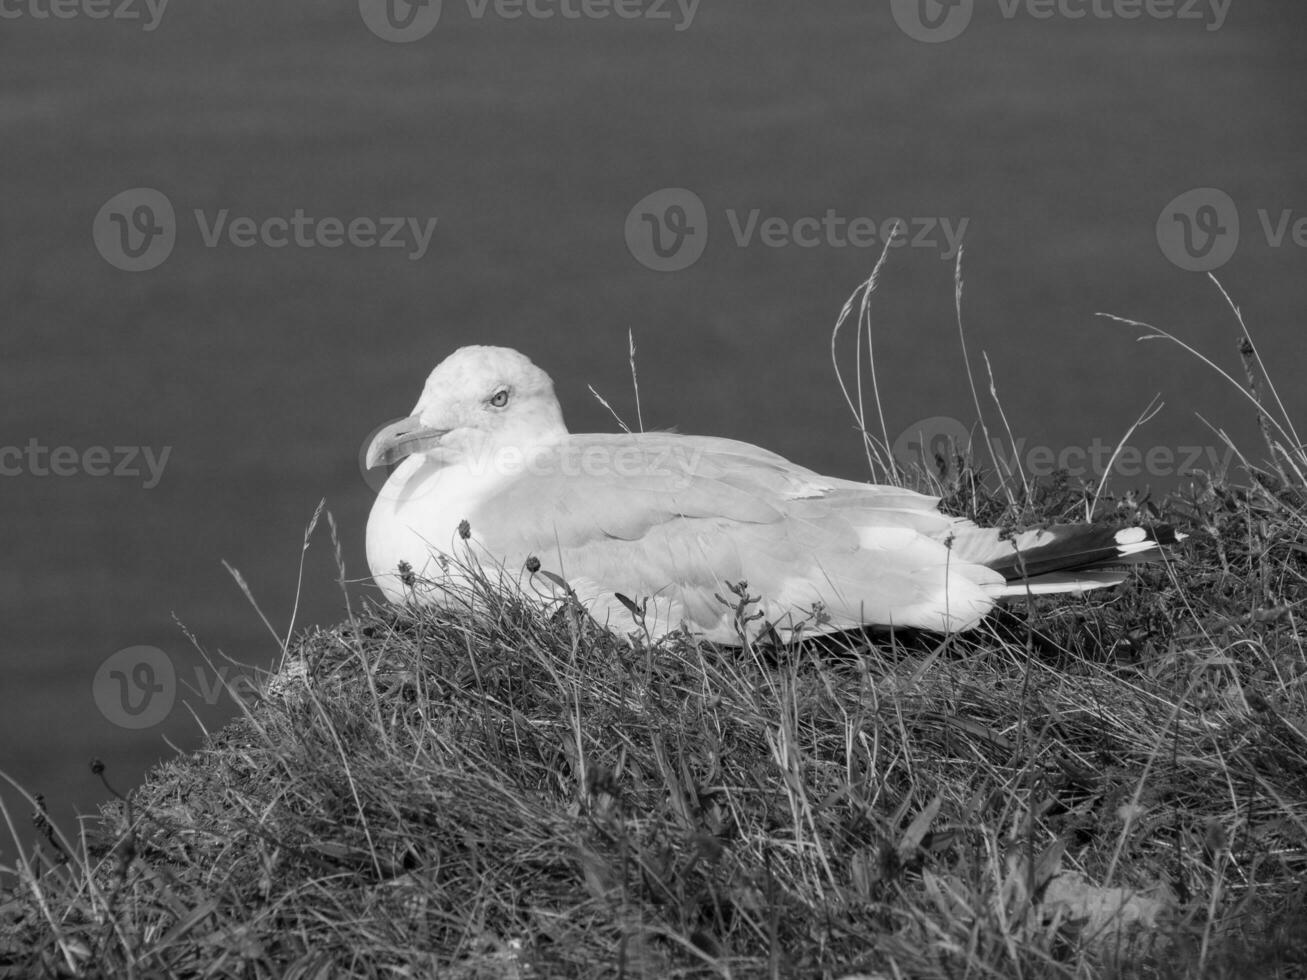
{"x": 1109, "y": 786}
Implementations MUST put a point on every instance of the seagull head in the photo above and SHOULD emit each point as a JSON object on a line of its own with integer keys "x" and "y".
{"x": 477, "y": 400}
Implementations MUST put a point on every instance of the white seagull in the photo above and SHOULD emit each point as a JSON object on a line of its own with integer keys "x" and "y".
{"x": 663, "y": 525}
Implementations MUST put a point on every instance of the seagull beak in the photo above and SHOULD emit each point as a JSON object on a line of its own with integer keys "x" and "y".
{"x": 397, "y": 440}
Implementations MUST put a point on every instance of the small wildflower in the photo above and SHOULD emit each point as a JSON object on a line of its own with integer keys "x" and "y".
{"x": 464, "y": 529}
{"x": 406, "y": 573}
{"x": 533, "y": 564}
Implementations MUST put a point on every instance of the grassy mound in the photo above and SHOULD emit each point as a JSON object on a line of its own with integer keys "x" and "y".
{"x": 1110, "y": 786}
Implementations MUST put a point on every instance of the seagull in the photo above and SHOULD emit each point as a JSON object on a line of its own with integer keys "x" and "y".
{"x": 655, "y": 532}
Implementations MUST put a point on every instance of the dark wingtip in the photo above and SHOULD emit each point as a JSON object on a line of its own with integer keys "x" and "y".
{"x": 1083, "y": 547}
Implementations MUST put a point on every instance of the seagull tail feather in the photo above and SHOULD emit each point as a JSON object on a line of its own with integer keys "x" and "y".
{"x": 1080, "y": 549}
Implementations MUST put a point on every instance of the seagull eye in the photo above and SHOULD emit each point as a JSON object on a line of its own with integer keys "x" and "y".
{"x": 500, "y": 398}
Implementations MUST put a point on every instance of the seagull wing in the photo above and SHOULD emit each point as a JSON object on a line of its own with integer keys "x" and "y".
{"x": 676, "y": 520}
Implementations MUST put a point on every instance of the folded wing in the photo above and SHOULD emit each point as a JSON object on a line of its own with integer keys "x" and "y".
{"x": 677, "y": 519}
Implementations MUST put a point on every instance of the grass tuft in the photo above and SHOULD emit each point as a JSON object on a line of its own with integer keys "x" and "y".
{"x": 1107, "y": 787}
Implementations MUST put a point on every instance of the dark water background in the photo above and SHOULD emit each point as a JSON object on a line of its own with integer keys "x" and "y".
{"x": 1060, "y": 141}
